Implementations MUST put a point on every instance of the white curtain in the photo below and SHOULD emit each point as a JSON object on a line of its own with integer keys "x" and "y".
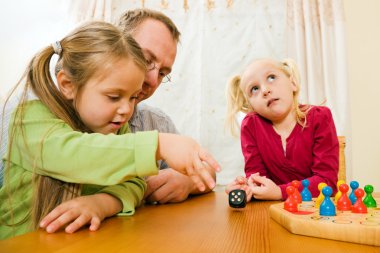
{"x": 219, "y": 38}
{"x": 316, "y": 40}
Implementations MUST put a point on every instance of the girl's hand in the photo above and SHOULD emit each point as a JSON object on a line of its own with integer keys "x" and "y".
{"x": 76, "y": 213}
{"x": 186, "y": 156}
{"x": 264, "y": 188}
{"x": 240, "y": 183}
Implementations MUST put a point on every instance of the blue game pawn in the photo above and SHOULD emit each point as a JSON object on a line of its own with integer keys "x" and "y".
{"x": 305, "y": 193}
{"x": 327, "y": 207}
{"x": 354, "y": 185}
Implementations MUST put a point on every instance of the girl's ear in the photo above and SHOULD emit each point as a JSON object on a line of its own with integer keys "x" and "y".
{"x": 65, "y": 85}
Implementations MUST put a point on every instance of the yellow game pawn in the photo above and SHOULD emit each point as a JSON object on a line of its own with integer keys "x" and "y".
{"x": 339, "y": 193}
{"x": 321, "y": 197}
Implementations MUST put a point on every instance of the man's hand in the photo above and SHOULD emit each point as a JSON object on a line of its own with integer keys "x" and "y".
{"x": 170, "y": 186}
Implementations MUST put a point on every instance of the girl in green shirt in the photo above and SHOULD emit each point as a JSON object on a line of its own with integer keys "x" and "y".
{"x": 70, "y": 159}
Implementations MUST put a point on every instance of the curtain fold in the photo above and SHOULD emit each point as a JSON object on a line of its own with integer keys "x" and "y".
{"x": 316, "y": 40}
{"x": 85, "y": 10}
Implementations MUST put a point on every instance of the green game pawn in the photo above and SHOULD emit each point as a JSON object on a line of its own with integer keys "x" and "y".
{"x": 369, "y": 201}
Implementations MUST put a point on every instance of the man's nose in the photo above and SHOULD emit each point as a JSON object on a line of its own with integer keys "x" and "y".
{"x": 152, "y": 78}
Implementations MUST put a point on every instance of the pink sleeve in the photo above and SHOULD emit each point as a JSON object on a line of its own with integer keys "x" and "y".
{"x": 252, "y": 158}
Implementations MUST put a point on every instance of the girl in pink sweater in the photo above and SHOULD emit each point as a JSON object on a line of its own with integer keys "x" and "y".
{"x": 281, "y": 140}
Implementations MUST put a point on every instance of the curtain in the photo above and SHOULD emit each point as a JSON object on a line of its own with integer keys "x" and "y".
{"x": 219, "y": 38}
{"x": 316, "y": 40}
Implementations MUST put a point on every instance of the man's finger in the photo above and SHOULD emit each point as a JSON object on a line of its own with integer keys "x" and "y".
{"x": 154, "y": 183}
{"x": 206, "y": 157}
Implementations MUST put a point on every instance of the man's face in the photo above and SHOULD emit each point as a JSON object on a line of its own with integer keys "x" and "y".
{"x": 158, "y": 47}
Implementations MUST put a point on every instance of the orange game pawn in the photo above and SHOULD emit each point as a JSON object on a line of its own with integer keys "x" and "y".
{"x": 290, "y": 203}
{"x": 344, "y": 203}
{"x": 297, "y": 195}
{"x": 359, "y": 206}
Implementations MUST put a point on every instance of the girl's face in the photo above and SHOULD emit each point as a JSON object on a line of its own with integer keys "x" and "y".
{"x": 106, "y": 102}
{"x": 269, "y": 90}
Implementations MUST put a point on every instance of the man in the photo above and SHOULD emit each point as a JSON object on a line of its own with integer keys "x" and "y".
{"x": 158, "y": 37}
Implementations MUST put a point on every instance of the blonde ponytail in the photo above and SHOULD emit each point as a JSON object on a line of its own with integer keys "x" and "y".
{"x": 290, "y": 68}
{"x": 236, "y": 102}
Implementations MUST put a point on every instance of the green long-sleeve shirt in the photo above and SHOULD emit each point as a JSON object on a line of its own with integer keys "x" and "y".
{"x": 50, "y": 147}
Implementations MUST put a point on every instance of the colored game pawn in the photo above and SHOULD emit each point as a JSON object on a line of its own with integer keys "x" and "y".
{"x": 327, "y": 207}
{"x": 359, "y": 206}
{"x": 297, "y": 195}
{"x": 339, "y": 193}
{"x": 320, "y": 198}
{"x": 344, "y": 203}
{"x": 369, "y": 201}
{"x": 354, "y": 185}
{"x": 290, "y": 203}
{"x": 305, "y": 193}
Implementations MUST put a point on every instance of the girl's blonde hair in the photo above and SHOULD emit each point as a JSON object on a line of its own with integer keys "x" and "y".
{"x": 237, "y": 100}
{"x": 85, "y": 51}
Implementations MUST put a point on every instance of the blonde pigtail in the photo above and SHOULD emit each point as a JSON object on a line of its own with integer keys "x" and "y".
{"x": 236, "y": 102}
{"x": 290, "y": 68}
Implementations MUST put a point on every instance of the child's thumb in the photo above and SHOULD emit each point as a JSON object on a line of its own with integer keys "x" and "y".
{"x": 259, "y": 179}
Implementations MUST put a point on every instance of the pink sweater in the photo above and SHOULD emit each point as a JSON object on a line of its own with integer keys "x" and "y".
{"x": 311, "y": 152}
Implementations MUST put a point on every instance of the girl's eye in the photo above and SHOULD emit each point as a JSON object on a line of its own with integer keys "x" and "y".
{"x": 254, "y": 89}
{"x": 271, "y": 78}
{"x": 113, "y": 97}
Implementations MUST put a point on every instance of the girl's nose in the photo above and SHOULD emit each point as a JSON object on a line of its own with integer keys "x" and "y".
{"x": 125, "y": 108}
{"x": 266, "y": 90}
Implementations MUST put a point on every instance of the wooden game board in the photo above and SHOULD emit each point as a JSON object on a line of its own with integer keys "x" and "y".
{"x": 346, "y": 226}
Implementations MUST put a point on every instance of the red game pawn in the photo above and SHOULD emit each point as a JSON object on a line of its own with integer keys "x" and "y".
{"x": 344, "y": 203}
{"x": 297, "y": 195}
{"x": 290, "y": 203}
{"x": 359, "y": 206}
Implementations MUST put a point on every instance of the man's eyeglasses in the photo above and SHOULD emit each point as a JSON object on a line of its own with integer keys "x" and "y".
{"x": 164, "y": 78}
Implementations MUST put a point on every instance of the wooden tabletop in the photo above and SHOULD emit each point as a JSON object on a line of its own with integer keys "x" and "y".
{"x": 203, "y": 223}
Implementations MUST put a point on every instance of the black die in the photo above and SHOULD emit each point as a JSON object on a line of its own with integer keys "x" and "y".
{"x": 237, "y": 198}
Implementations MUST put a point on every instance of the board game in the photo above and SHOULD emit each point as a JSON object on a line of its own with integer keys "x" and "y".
{"x": 345, "y": 226}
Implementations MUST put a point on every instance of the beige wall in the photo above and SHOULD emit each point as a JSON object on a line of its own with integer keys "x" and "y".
{"x": 363, "y": 45}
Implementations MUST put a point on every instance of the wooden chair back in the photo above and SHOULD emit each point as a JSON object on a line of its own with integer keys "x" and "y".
{"x": 342, "y": 158}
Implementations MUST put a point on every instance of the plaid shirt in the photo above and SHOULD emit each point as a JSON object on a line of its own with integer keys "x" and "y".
{"x": 147, "y": 118}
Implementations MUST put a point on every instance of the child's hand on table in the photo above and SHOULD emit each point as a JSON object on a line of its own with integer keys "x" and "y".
{"x": 264, "y": 188}
{"x": 77, "y": 212}
{"x": 240, "y": 183}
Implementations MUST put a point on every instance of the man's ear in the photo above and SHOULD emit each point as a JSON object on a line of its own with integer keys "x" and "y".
{"x": 65, "y": 85}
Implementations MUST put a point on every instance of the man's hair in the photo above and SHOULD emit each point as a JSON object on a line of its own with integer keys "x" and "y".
{"x": 129, "y": 20}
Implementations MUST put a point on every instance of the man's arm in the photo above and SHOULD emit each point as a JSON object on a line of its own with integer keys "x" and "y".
{"x": 172, "y": 186}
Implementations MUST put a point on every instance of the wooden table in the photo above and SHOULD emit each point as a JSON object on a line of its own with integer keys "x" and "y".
{"x": 203, "y": 223}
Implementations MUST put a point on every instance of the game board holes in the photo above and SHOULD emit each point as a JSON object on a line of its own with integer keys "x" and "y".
{"x": 370, "y": 223}
{"x": 342, "y": 221}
